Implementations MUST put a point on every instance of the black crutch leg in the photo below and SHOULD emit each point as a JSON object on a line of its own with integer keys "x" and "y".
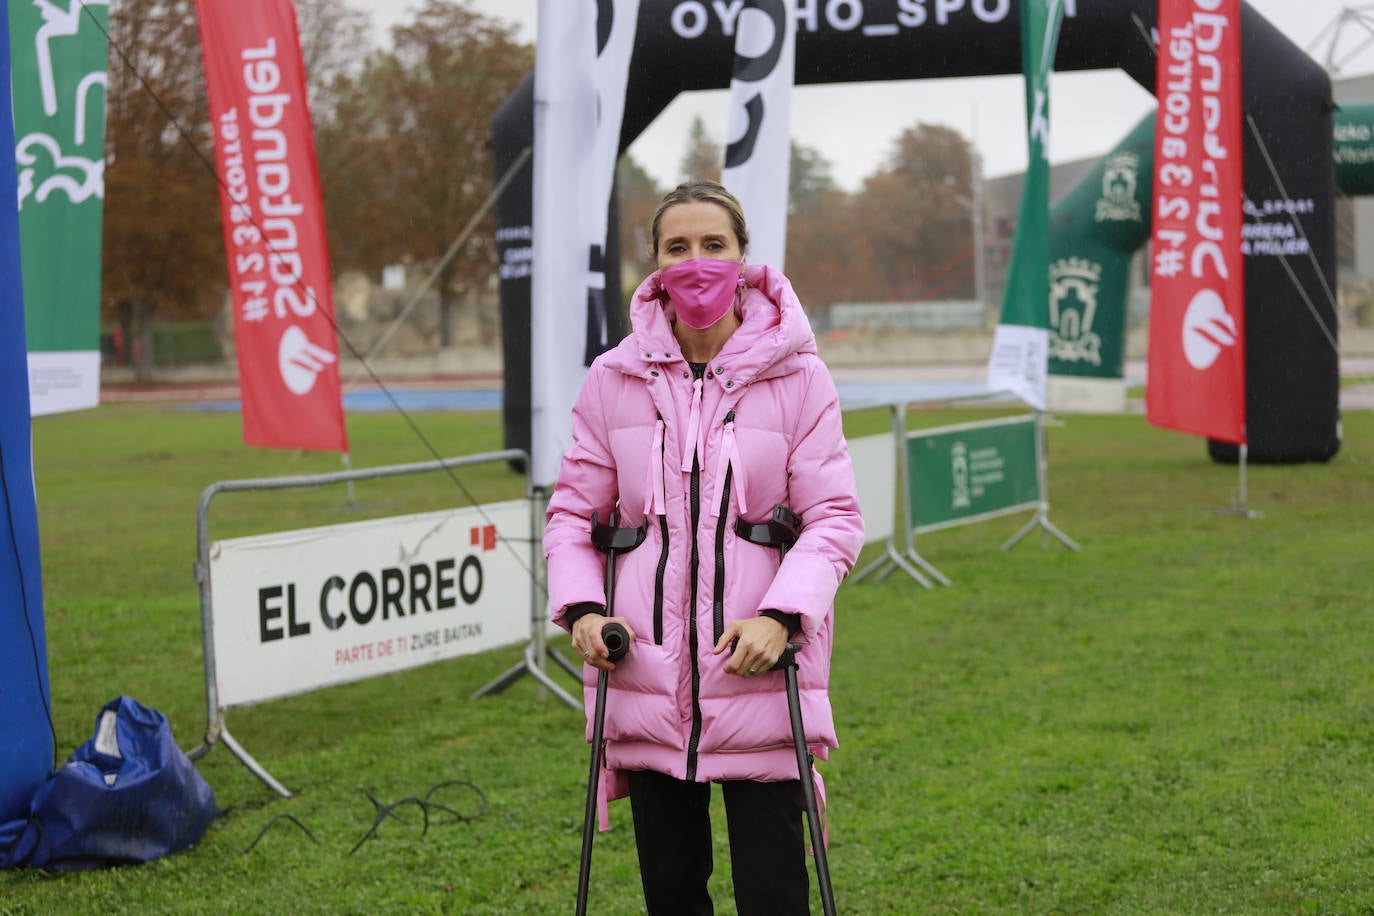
{"x": 610, "y": 540}
{"x": 781, "y": 531}
{"x": 618, "y": 642}
{"x": 813, "y": 816}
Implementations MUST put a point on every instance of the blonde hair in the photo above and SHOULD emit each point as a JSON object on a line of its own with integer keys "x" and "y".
{"x": 704, "y": 191}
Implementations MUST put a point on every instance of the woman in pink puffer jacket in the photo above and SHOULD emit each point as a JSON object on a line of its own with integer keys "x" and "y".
{"x": 715, "y": 407}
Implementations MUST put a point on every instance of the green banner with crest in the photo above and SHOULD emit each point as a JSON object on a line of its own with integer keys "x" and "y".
{"x": 1097, "y": 229}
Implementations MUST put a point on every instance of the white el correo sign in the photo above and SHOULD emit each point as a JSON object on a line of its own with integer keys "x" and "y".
{"x": 297, "y": 610}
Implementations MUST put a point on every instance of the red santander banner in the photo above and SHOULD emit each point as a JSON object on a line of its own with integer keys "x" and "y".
{"x": 274, "y": 236}
{"x": 1196, "y": 378}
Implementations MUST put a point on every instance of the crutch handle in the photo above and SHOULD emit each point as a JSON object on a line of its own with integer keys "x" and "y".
{"x": 788, "y": 658}
{"x": 617, "y": 640}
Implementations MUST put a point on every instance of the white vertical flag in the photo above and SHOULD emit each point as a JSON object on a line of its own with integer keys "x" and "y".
{"x": 564, "y": 146}
{"x": 581, "y": 70}
{"x": 615, "y": 45}
{"x": 759, "y": 155}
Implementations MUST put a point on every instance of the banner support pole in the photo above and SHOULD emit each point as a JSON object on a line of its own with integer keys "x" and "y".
{"x": 1244, "y": 461}
{"x": 904, "y": 471}
{"x": 1240, "y": 505}
{"x": 532, "y": 662}
{"x": 890, "y": 559}
{"x": 1041, "y": 519}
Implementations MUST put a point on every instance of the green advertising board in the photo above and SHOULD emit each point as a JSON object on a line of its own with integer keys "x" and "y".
{"x": 58, "y": 60}
{"x": 972, "y": 471}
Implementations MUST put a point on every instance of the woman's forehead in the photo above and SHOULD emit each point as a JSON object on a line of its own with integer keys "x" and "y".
{"x": 695, "y": 217}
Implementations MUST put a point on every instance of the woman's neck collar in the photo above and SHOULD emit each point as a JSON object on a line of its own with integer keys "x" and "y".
{"x": 702, "y": 346}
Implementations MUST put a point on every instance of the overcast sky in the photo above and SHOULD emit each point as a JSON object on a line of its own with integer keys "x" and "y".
{"x": 854, "y": 125}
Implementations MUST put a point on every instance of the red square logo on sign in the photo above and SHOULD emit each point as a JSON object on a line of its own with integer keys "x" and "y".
{"x": 484, "y": 536}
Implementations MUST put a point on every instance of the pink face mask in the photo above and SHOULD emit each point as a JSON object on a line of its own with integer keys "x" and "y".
{"x": 702, "y": 289}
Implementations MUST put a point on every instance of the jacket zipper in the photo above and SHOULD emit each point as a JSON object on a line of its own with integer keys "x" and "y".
{"x": 695, "y": 737}
{"x": 662, "y": 557}
{"x": 719, "y": 597}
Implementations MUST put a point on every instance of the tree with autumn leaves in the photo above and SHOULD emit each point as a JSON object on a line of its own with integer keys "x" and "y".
{"x": 906, "y": 234}
{"x": 415, "y": 125}
{"x": 400, "y": 136}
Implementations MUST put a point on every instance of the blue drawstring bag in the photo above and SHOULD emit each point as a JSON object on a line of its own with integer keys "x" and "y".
{"x": 127, "y": 795}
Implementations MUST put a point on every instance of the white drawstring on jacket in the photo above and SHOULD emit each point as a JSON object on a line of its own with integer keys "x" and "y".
{"x": 693, "y": 438}
{"x": 729, "y": 456}
{"x": 655, "y": 498}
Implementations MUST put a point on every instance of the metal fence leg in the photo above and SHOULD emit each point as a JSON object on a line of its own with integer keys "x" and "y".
{"x": 1041, "y": 518}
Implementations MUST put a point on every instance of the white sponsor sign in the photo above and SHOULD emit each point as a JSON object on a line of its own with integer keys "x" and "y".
{"x": 875, "y": 472}
{"x": 299, "y": 610}
{"x": 1019, "y": 360}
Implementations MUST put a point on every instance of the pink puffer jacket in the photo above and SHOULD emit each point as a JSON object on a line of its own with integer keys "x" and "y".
{"x": 765, "y": 422}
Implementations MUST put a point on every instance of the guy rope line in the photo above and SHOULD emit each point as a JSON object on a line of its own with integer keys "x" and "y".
{"x": 1302, "y": 233}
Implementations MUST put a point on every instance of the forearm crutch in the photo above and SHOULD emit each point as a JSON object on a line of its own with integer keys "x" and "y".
{"x": 781, "y": 531}
{"x": 610, "y": 540}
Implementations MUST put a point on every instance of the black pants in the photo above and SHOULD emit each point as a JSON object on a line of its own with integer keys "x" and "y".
{"x": 767, "y": 845}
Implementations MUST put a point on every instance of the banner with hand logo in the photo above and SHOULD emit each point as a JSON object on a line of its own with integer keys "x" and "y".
{"x": 1196, "y": 380}
{"x": 274, "y": 236}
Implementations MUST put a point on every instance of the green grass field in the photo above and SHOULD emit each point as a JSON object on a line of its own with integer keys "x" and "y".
{"x": 1179, "y": 719}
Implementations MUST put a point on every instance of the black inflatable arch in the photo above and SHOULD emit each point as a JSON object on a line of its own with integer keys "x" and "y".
{"x": 681, "y": 46}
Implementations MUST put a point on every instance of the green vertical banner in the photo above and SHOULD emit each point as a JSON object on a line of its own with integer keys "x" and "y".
{"x": 972, "y": 471}
{"x": 1097, "y": 228}
{"x": 58, "y": 49}
{"x": 1020, "y": 347}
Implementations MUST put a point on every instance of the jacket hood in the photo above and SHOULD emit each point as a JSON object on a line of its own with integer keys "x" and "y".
{"x": 773, "y": 329}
